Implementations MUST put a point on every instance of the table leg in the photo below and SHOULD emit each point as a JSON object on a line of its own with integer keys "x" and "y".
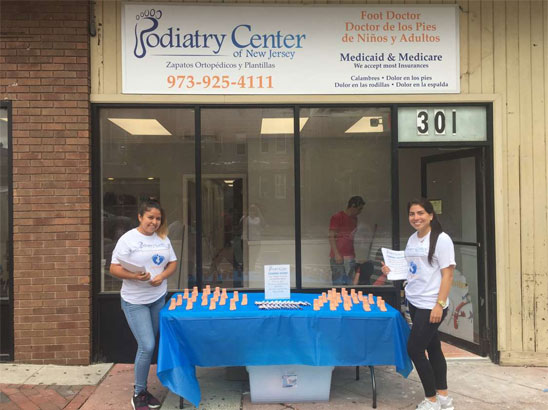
{"x": 374, "y": 386}
{"x": 357, "y": 372}
{"x": 181, "y": 402}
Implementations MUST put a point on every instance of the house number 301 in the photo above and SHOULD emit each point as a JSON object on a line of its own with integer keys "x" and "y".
{"x": 439, "y": 122}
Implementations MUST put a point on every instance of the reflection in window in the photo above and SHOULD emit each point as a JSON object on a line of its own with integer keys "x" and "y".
{"x": 147, "y": 153}
{"x": 247, "y": 195}
{"x": 4, "y": 189}
{"x": 345, "y": 152}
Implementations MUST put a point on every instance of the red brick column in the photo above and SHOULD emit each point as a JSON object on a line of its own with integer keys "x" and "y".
{"x": 44, "y": 71}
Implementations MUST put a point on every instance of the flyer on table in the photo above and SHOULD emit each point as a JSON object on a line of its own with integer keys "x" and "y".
{"x": 234, "y": 49}
{"x": 277, "y": 282}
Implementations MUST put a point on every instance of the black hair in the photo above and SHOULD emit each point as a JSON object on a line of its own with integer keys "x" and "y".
{"x": 435, "y": 224}
{"x": 355, "y": 202}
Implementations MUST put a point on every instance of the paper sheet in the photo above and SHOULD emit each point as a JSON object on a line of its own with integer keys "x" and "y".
{"x": 131, "y": 267}
{"x": 397, "y": 263}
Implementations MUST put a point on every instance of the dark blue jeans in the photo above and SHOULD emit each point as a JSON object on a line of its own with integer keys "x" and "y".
{"x": 343, "y": 273}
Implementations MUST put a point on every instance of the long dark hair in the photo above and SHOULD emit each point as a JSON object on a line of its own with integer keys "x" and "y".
{"x": 435, "y": 225}
{"x": 146, "y": 206}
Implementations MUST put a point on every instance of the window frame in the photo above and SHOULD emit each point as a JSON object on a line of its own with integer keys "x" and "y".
{"x": 7, "y": 105}
{"x": 395, "y": 201}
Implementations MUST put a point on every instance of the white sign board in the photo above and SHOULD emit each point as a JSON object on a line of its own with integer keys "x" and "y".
{"x": 277, "y": 282}
{"x": 442, "y": 123}
{"x": 213, "y": 49}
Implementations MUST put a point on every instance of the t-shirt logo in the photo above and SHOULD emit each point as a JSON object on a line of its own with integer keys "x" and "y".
{"x": 157, "y": 259}
{"x": 412, "y": 267}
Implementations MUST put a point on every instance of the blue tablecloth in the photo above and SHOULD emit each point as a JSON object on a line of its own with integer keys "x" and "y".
{"x": 249, "y": 336}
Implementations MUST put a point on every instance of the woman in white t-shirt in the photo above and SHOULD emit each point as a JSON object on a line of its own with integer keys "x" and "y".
{"x": 430, "y": 255}
{"x": 143, "y": 258}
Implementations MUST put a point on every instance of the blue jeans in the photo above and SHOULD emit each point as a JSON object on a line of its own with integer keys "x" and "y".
{"x": 343, "y": 273}
{"x": 143, "y": 321}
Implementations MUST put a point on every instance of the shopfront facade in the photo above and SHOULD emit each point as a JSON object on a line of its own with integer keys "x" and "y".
{"x": 250, "y": 177}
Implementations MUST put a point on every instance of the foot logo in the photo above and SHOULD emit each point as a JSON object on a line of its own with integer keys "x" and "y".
{"x": 412, "y": 267}
{"x": 147, "y": 21}
{"x": 158, "y": 259}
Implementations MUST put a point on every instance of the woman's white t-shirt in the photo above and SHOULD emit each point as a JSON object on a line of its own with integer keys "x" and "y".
{"x": 423, "y": 279}
{"x": 150, "y": 251}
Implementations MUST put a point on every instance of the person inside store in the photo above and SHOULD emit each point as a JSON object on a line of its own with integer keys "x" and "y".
{"x": 430, "y": 256}
{"x": 144, "y": 258}
{"x": 342, "y": 228}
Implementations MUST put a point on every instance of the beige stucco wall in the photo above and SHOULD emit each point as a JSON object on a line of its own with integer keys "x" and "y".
{"x": 502, "y": 60}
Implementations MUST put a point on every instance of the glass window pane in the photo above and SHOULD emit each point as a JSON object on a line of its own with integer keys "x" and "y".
{"x": 345, "y": 153}
{"x": 147, "y": 153}
{"x": 450, "y": 184}
{"x": 462, "y": 319}
{"x": 4, "y": 232}
{"x": 247, "y": 195}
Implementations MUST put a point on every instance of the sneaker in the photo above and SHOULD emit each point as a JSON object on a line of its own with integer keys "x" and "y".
{"x": 139, "y": 402}
{"x": 152, "y": 401}
{"x": 446, "y": 402}
{"x": 429, "y": 405}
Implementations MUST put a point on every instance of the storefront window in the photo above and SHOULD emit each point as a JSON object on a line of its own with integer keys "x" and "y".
{"x": 4, "y": 227}
{"x": 247, "y": 195}
{"x": 345, "y": 153}
{"x": 147, "y": 153}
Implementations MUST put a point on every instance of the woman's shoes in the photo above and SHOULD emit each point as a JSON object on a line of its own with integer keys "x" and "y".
{"x": 429, "y": 405}
{"x": 152, "y": 402}
{"x": 144, "y": 401}
{"x": 446, "y": 402}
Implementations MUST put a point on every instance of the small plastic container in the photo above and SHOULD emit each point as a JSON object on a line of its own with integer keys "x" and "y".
{"x": 289, "y": 383}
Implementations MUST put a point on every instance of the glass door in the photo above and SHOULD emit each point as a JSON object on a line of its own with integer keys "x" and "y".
{"x": 453, "y": 183}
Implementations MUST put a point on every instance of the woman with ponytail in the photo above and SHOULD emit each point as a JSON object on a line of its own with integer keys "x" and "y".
{"x": 430, "y": 255}
{"x": 143, "y": 293}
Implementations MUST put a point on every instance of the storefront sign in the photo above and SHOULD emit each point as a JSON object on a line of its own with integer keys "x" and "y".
{"x": 370, "y": 49}
{"x": 442, "y": 124}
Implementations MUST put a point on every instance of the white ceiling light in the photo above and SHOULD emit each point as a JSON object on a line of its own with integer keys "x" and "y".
{"x": 280, "y": 125}
{"x": 366, "y": 124}
{"x": 140, "y": 126}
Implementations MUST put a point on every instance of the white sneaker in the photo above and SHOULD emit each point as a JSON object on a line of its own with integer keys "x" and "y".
{"x": 446, "y": 402}
{"x": 429, "y": 405}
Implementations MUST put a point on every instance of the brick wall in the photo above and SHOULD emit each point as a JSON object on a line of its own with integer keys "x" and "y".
{"x": 44, "y": 71}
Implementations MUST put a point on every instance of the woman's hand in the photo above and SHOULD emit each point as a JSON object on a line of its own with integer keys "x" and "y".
{"x": 157, "y": 280}
{"x": 144, "y": 276}
{"x": 385, "y": 269}
{"x": 436, "y": 313}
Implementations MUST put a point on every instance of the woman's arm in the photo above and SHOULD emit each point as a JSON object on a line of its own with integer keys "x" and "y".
{"x": 445, "y": 287}
{"x": 168, "y": 271}
{"x": 119, "y": 272}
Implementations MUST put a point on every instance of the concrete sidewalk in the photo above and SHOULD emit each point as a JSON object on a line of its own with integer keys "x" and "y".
{"x": 475, "y": 383}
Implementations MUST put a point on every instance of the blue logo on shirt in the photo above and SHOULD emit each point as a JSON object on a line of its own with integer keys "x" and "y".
{"x": 412, "y": 267}
{"x": 157, "y": 259}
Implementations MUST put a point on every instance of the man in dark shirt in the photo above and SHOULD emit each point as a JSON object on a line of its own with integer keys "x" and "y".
{"x": 342, "y": 228}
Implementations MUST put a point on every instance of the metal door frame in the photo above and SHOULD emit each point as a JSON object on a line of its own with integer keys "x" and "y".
{"x": 483, "y": 347}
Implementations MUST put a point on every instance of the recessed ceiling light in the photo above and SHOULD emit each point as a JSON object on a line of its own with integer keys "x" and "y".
{"x": 366, "y": 124}
{"x": 280, "y": 125}
{"x": 150, "y": 178}
{"x": 110, "y": 179}
{"x": 140, "y": 126}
